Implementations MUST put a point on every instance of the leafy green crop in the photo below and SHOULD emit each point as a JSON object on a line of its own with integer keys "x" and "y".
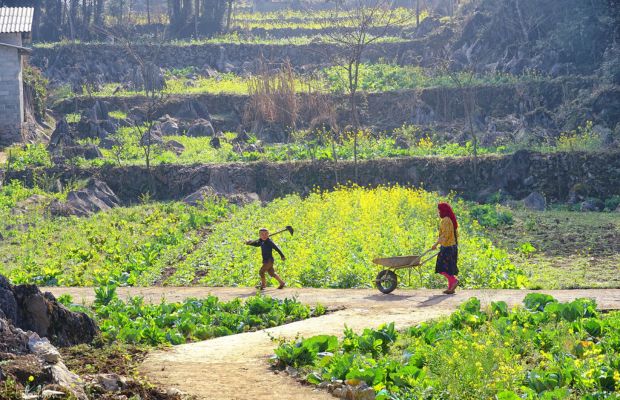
{"x": 130, "y": 246}
{"x": 137, "y": 322}
{"x": 549, "y": 350}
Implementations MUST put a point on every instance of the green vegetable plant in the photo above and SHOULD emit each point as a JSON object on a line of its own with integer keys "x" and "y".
{"x": 547, "y": 350}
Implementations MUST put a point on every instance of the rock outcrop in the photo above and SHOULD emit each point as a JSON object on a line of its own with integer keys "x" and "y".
{"x": 26, "y": 308}
{"x": 97, "y": 196}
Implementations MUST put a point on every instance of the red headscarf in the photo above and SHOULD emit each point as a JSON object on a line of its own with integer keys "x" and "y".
{"x": 446, "y": 211}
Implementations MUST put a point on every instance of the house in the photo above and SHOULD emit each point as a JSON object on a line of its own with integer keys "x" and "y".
{"x": 15, "y": 31}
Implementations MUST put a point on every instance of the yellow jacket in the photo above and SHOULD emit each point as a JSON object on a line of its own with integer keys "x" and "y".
{"x": 446, "y": 233}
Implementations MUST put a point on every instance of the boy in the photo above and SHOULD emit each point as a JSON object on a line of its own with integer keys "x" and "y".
{"x": 267, "y": 246}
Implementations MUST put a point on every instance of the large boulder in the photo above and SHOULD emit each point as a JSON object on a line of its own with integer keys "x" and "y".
{"x": 192, "y": 110}
{"x": 174, "y": 146}
{"x": 169, "y": 128}
{"x": 86, "y": 151}
{"x": 535, "y": 201}
{"x": 26, "y": 308}
{"x": 41, "y": 313}
{"x": 8, "y": 305}
{"x": 97, "y": 196}
{"x": 201, "y": 128}
{"x": 62, "y": 136}
{"x": 12, "y": 340}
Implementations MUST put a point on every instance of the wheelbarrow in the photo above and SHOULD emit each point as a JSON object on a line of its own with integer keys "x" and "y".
{"x": 387, "y": 280}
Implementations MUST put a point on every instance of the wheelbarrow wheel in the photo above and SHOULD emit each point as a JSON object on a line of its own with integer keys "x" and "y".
{"x": 386, "y": 281}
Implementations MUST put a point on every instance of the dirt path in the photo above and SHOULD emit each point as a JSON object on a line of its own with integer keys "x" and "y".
{"x": 235, "y": 367}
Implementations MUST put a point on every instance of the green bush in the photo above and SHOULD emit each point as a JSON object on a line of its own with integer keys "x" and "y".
{"x": 491, "y": 216}
{"x": 37, "y": 85}
{"x": 612, "y": 203}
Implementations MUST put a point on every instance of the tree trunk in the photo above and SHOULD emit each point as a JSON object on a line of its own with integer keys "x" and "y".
{"x": 148, "y": 12}
{"x": 99, "y": 12}
{"x": 469, "y": 109}
{"x": 229, "y": 16}
{"x": 417, "y": 13}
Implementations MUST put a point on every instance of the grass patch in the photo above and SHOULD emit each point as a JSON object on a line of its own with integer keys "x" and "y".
{"x": 571, "y": 249}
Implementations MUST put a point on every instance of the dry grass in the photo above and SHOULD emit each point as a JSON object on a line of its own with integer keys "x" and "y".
{"x": 273, "y": 99}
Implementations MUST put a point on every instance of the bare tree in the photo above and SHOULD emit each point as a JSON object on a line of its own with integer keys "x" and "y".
{"x": 353, "y": 26}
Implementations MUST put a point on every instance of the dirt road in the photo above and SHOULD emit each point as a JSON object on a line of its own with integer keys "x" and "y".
{"x": 236, "y": 367}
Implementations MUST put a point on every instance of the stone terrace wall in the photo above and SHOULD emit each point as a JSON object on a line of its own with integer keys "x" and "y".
{"x": 388, "y": 110}
{"x": 111, "y": 62}
{"x": 553, "y": 175}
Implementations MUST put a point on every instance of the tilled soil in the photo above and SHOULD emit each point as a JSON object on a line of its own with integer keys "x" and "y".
{"x": 236, "y": 367}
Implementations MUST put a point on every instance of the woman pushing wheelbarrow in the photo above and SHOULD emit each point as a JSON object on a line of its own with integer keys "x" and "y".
{"x": 449, "y": 253}
{"x": 447, "y": 257}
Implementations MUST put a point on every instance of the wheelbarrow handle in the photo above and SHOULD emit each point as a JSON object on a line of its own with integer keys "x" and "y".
{"x": 428, "y": 258}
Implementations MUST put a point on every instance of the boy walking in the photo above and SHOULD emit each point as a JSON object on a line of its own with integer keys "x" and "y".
{"x": 267, "y": 246}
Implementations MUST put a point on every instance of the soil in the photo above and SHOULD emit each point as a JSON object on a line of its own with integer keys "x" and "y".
{"x": 236, "y": 367}
{"x": 573, "y": 249}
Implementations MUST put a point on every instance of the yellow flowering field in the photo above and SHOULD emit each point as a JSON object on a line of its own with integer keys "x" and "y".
{"x": 338, "y": 233}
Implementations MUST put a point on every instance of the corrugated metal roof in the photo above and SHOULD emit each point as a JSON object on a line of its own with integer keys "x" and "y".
{"x": 16, "y": 19}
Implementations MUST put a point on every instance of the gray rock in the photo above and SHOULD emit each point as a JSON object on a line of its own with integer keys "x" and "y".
{"x": 87, "y": 151}
{"x": 12, "y": 340}
{"x": 109, "y": 382}
{"x": 365, "y": 394}
{"x": 215, "y": 142}
{"x": 97, "y": 196}
{"x": 293, "y": 373}
{"x": 174, "y": 392}
{"x": 8, "y": 305}
{"x": 175, "y": 146}
{"x": 617, "y": 209}
{"x": 152, "y": 138}
{"x": 169, "y": 128}
{"x": 67, "y": 379}
{"x": 42, "y": 314}
{"x": 199, "y": 196}
{"x": 62, "y": 136}
{"x": 535, "y": 201}
{"x": 53, "y": 394}
{"x": 201, "y": 129}
{"x": 592, "y": 205}
{"x": 43, "y": 349}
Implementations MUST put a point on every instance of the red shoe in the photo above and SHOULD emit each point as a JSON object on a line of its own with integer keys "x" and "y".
{"x": 454, "y": 286}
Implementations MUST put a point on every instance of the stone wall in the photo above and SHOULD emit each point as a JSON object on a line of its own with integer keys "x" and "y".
{"x": 11, "y": 90}
{"x": 112, "y": 63}
{"x": 387, "y": 110}
{"x": 519, "y": 174}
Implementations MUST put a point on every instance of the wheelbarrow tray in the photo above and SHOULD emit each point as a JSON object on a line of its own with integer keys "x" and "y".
{"x": 400, "y": 261}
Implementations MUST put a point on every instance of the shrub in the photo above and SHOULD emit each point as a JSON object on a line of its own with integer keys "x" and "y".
{"x": 491, "y": 216}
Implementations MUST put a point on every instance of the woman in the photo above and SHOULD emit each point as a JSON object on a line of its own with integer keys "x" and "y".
{"x": 449, "y": 252}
